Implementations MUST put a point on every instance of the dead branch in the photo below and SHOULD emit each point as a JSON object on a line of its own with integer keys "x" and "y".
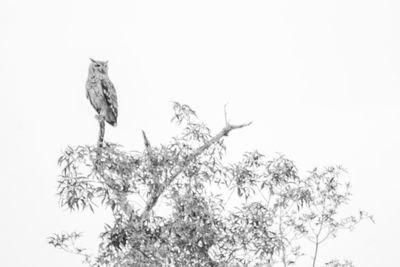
{"x": 147, "y": 144}
{"x": 102, "y": 130}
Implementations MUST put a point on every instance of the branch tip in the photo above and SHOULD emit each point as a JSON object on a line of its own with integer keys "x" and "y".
{"x": 226, "y": 114}
{"x": 146, "y": 141}
{"x": 241, "y": 125}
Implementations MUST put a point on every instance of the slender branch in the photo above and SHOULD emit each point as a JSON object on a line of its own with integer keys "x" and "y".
{"x": 315, "y": 253}
{"x": 328, "y": 234}
{"x": 147, "y": 143}
{"x": 100, "y": 140}
{"x": 229, "y": 197}
{"x": 317, "y": 241}
{"x": 283, "y": 237}
{"x": 121, "y": 197}
{"x": 226, "y": 114}
{"x": 102, "y": 130}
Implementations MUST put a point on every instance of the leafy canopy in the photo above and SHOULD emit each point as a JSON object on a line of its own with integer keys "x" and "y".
{"x": 275, "y": 209}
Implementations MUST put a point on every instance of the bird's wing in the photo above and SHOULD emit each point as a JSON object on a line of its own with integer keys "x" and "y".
{"x": 110, "y": 95}
{"x": 89, "y": 95}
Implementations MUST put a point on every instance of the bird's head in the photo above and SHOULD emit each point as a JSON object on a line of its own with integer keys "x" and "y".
{"x": 99, "y": 66}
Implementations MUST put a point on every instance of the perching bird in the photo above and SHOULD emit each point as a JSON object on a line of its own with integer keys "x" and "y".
{"x": 101, "y": 92}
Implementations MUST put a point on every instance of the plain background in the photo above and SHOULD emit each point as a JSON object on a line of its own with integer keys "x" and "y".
{"x": 319, "y": 79}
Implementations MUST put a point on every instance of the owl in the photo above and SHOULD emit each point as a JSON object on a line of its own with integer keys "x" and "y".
{"x": 101, "y": 92}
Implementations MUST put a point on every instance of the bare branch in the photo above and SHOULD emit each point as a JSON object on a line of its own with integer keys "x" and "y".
{"x": 102, "y": 126}
{"x": 146, "y": 142}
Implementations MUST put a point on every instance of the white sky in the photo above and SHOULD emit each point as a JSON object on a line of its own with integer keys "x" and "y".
{"x": 319, "y": 79}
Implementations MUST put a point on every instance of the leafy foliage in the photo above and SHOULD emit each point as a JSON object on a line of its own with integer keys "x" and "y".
{"x": 276, "y": 208}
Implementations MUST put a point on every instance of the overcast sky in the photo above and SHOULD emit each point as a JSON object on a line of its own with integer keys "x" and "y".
{"x": 319, "y": 79}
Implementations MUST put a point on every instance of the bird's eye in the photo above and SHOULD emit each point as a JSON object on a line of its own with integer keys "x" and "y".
{"x": 97, "y": 65}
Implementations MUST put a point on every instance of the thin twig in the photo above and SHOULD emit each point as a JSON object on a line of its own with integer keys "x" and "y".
{"x": 229, "y": 197}
{"x": 317, "y": 240}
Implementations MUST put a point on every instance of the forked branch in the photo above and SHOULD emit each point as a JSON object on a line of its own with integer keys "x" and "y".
{"x": 155, "y": 195}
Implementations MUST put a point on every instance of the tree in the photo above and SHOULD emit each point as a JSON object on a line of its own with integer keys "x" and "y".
{"x": 276, "y": 209}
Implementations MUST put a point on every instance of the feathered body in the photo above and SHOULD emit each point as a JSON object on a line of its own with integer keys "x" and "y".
{"x": 101, "y": 92}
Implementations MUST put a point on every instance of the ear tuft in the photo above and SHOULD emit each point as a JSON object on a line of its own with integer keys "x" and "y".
{"x": 91, "y": 59}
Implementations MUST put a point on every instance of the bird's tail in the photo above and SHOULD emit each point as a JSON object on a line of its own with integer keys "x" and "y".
{"x": 111, "y": 118}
